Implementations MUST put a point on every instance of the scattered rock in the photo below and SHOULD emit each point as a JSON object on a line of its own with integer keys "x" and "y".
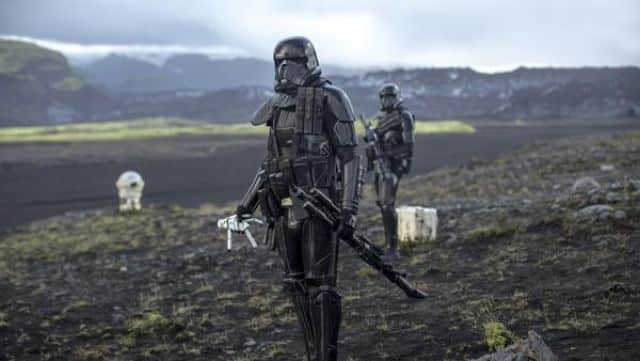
{"x": 556, "y": 207}
{"x": 585, "y": 185}
{"x": 118, "y": 318}
{"x": 532, "y": 348}
{"x": 607, "y": 167}
{"x": 249, "y": 342}
{"x": 451, "y": 239}
{"x": 634, "y": 184}
{"x": 601, "y": 240}
{"x": 619, "y": 215}
{"x": 616, "y": 186}
{"x": 596, "y": 198}
{"x": 613, "y": 197}
{"x": 604, "y": 216}
{"x": 593, "y": 211}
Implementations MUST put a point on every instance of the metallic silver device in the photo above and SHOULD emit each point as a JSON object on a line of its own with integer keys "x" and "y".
{"x": 233, "y": 225}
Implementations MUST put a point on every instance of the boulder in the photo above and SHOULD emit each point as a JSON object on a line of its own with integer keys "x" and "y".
{"x": 531, "y": 348}
{"x": 585, "y": 185}
{"x": 634, "y": 184}
{"x": 613, "y": 197}
{"x": 607, "y": 167}
{"x": 620, "y": 215}
{"x": 592, "y": 212}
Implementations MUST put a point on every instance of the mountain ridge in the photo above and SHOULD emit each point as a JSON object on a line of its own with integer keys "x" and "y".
{"x": 37, "y": 86}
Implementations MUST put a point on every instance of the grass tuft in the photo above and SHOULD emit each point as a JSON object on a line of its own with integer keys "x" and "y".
{"x": 4, "y": 322}
{"x": 167, "y": 127}
{"x": 497, "y": 335}
{"x": 499, "y": 229}
{"x": 149, "y": 323}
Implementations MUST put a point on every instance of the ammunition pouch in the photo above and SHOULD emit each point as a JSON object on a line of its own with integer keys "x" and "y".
{"x": 304, "y": 171}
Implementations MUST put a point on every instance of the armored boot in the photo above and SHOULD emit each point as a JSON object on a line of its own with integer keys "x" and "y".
{"x": 390, "y": 221}
{"x": 300, "y": 299}
{"x": 326, "y": 313}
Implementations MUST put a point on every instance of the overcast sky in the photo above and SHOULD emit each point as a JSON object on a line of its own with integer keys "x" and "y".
{"x": 487, "y": 35}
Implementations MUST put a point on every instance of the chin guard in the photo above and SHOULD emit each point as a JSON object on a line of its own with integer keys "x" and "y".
{"x": 233, "y": 225}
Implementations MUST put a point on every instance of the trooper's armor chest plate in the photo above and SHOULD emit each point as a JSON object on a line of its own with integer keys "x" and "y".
{"x": 298, "y": 125}
{"x": 300, "y": 148}
{"x": 389, "y": 129}
{"x": 284, "y": 129}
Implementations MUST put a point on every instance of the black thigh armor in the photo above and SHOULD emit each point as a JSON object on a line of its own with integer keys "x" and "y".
{"x": 395, "y": 132}
{"x": 311, "y": 143}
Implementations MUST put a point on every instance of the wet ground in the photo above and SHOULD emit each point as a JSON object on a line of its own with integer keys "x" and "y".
{"x": 42, "y": 180}
{"x": 518, "y": 249}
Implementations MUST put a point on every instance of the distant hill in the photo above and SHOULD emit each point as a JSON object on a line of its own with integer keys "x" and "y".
{"x": 37, "y": 85}
{"x": 124, "y": 74}
{"x": 525, "y": 93}
{"x": 432, "y": 93}
{"x": 545, "y": 94}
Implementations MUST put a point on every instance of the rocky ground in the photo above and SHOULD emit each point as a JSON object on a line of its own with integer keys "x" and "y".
{"x": 543, "y": 239}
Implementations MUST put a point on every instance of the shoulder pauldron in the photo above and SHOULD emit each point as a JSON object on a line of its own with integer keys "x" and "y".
{"x": 264, "y": 114}
{"x": 339, "y": 103}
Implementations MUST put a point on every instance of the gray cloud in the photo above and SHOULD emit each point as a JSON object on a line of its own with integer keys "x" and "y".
{"x": 106, "y": 21}
{"x": 491, "y": 34}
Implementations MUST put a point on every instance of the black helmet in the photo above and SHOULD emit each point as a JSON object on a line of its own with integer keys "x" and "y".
{"x": 390, "y": 97}
{"x": 296, "y": 62}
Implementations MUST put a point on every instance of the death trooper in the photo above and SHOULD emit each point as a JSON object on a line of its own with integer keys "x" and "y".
{"x": 395, "y": 132}
{"x": 311, "y": 143}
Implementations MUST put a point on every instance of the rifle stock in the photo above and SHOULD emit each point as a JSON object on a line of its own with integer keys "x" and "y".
{"x": 371, "y": 137}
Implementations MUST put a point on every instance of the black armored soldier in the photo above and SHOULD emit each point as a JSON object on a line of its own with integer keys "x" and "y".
{"x": 395, "y": 137}
{"x": 311, "y": 144}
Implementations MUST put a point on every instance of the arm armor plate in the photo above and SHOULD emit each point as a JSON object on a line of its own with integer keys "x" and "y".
{"x": 352, "y": 179}
{"x": 408, "y": 125}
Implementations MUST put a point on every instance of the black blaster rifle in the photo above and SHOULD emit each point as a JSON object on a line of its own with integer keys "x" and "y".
{"x": 371, "y": 137}
{"x": 321, "y": 206}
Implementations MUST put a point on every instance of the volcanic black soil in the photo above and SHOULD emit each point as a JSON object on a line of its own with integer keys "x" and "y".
{"x": 46, "y": 179}
{"x": 546, "y": 238}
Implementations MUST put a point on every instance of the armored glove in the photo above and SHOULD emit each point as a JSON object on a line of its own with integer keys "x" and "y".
{"x": 347, "y": 224}
{"x": 243, "y": 212}
{"x": 370, "y": 159}
{"x": 404, "y": 166}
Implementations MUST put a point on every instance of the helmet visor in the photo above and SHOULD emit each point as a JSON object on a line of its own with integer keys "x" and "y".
{"x": 388, "y": 101}
{"x": 292, "y": 72}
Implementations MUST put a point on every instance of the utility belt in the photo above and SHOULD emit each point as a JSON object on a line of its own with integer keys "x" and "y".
{"x": 305, "y": 172}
